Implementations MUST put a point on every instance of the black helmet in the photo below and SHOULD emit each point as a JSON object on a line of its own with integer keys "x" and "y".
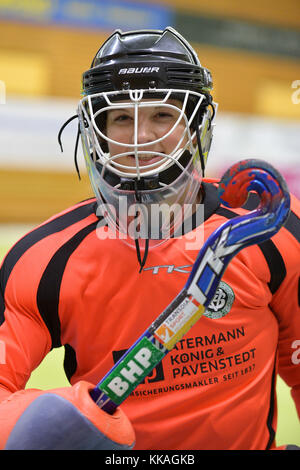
{"x": 146, "y": 59}
{"x": 133, "y": 72}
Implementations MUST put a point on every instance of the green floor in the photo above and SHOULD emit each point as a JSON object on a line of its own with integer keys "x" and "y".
{"x": 50, "y": 373}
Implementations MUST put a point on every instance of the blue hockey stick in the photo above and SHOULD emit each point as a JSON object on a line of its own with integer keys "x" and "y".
{"x": 212, "y": 260}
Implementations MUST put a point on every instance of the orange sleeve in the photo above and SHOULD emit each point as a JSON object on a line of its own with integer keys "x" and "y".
{"x": 24, "y": 336}
{"x": 25, "y": 341}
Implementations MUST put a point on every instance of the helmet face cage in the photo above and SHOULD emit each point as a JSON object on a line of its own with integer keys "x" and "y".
{"x": 99, "y": 141}
{"x": 173, "y": 179}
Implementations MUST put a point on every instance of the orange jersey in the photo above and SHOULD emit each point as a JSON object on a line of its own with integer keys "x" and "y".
{"x": 63, "y": 285}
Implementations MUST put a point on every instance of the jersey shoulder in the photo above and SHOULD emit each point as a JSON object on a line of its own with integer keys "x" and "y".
{"x": 65, "y": 224}
{"x": 24, "y": 265}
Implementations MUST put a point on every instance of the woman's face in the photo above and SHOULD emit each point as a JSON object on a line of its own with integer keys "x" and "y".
{"x": 153, "y": 123}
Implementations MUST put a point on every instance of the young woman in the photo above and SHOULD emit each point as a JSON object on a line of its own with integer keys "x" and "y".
{"x": 94, "y": 277}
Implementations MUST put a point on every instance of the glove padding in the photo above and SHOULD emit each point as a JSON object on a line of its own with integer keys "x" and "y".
{"x": 68, "y": 419}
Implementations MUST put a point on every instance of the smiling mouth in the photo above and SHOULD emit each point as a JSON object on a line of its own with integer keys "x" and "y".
{"x": 146, "y": 159}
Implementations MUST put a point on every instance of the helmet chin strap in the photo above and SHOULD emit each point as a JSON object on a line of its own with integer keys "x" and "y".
{"x": 141, "y": 261}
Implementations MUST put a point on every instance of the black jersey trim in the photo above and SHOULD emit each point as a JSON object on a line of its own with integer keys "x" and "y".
{"x": 270, "y": 252}
{"x": 271, "y": 410}
{"x": 2, "y": 308}
{"x": 56, "y": 225}
{"x": 276, "y": 264}
{"x": 293, "y": 225}
{"x": 211, "y": 201}
{"x": 49, "y": 287}
{"x": 70, "y": 361}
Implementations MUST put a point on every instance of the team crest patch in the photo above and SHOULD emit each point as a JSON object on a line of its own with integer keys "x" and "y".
{"x": 221, "y": 303}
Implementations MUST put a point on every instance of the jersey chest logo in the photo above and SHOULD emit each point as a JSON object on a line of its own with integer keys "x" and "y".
{"x": 221, "y": 303}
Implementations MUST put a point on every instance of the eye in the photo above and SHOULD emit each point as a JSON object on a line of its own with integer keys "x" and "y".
{"x": 122, "y": 118}
{"x": 119, "y": 117}
{"x": 164, "y": 115}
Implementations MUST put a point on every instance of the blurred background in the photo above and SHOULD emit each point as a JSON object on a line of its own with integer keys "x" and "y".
{"x": 251, "y": 48}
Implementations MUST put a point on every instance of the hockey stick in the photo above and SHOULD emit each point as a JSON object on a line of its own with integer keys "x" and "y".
{"x": 212, "y": 260}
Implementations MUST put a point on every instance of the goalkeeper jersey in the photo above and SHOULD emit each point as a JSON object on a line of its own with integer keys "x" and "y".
{"x": 68, "y": 283}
